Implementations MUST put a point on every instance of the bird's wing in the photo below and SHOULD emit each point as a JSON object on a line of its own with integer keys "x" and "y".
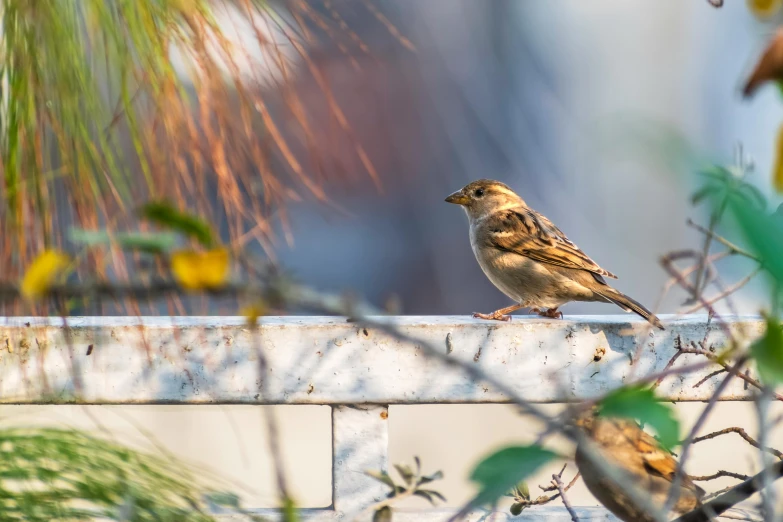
{"x": 527, "y": 233}
{"x": 660, "y": 462}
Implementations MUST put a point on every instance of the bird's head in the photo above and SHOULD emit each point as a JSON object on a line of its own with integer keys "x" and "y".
{"x": 485, "y": 196}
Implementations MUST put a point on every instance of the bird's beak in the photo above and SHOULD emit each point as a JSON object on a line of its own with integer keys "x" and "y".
{"x": 458, "y": 198}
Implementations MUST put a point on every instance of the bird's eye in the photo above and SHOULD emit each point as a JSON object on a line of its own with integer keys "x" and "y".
{"x": 478, "y": 193}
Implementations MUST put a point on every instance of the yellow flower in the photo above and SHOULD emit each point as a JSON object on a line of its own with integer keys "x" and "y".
{"x": 45, "y": 269}
{"x": 200, "y": 270}
{"x": 777, "y": 173}
{"x": 763, "y": 8}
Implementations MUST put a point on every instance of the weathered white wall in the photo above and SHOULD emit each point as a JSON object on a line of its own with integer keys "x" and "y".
{"x": 316, "y": 360}
{"x": 327, "y": 360}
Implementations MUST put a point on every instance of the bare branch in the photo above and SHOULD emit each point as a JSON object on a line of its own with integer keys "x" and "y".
{"x": 742, "y": 433}
{"x": 719, "y": 474}
{"x": 732, "y": 497}
{"x": 667, "y": 261}
{"x": 709, "y": 376}
{"x": 733, "y": 249}
{"x": 739, "y": 517}
{"x": 545, "y": 499}
{"x": 686, "y": 446}
{"x": 730, "y": 290}
{"x": 668, "y": 366}
{"x": 712, "y": 357}
{"x": 561, "y": 490}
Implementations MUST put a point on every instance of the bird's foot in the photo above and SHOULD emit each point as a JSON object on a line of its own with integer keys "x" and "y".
{"x": 534, "y": 311}
{"x": 552, "y": 313}
{"x": 494, "y": 316}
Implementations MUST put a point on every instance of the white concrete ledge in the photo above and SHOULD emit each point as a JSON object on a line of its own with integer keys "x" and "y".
{"x": 551, "y": 513}
{"x": 327, "y": 360}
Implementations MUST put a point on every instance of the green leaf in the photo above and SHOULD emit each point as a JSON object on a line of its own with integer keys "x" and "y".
{"x": 289, "y": 511}
{"x": 433, "y": 493}
{"x": 768, "y": 352}
{"x": 524, "y": 490}
{"x": 516, "y": 509}
{"x": 153, "y": 242}
{"x": 423, "y": 493}
{"x": 431, "y": 478}
{"x": 429, "y": 494}
{"x": 405, "y": 472}
{"x": 705, "y": 191}
{"x": 383, "y": 515}
{"x": 504, "y": 469}
{"x": 380, "y": 476}
{"x": 716, "y": 173}
{"x": 166, "y": 215}
{"x": 764, "y": 234}
{"x": 639, "y": 403}
{"x": 223, "y": 499}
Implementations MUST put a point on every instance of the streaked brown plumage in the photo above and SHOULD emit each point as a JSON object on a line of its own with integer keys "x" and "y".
{"x": 769, "y": 66}
{"x": 641, "y": 458}
{"x": 529, "y": 259}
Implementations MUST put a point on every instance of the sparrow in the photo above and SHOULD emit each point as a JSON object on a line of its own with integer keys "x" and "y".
{"x": 769, "y": 66}
{"x": 529, "y": 259}
{"x": 644, "y": 462}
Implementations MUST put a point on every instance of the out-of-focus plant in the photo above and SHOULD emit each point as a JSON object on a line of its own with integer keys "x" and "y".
{"x": 764, "y": 8}
{"x": 51, "y": 474}
{"x": 206, "y": 268}
{"x": 769, "y": 68}
{"x": 411, "y": 486}
{"x": 106, "y": 104}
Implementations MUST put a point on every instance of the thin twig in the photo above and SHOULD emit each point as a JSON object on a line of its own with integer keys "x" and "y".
{"x": 730, "y": 290}
{"x": 717, "y": 493}
{"x": 667, "y": 261}
{"x": 732, "y": 497}
{"x": 719, "y": 474}
{"x": 734, "y": 249}
{"x": 712, "y": 357}
{"x": 762, "y": 403}
{"x": 561, "y": 490}
{"x": 272, "y": 430}
{"x": 738, "y": 517}
{"x": 700, "y": 281}
{"x": 545, "y": 499}
{"x": 742, "y": 433}
{"x": 669, "y": 364}
{"x": 709, "y": 376}
{"x": 674, "y": 491}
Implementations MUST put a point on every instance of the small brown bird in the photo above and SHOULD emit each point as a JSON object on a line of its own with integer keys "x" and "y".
{"x": 769, "y": 67}
{"x": 529, "y": 259}
{"x": 648, "y": 467}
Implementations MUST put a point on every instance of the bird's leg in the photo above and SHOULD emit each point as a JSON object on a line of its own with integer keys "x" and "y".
{"x": 552, "y": 313}
{"x": 499, "y": 315}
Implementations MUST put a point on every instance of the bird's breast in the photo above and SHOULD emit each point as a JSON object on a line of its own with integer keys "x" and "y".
{"x": 526, "y": 281}
{"x": 519, "y": 277}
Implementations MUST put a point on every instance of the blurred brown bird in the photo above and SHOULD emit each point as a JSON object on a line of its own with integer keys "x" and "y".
{"x": 648, "y": 466}
{"x": 529, "y": 259}
{"x": 769, "y": 67}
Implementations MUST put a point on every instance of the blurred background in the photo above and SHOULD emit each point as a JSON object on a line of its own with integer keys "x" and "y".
{"x": 570, "y": 103}
{"x": 560, "y": 100}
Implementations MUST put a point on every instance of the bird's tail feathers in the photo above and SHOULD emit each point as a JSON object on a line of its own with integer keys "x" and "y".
{"x": 630, "y": 305}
